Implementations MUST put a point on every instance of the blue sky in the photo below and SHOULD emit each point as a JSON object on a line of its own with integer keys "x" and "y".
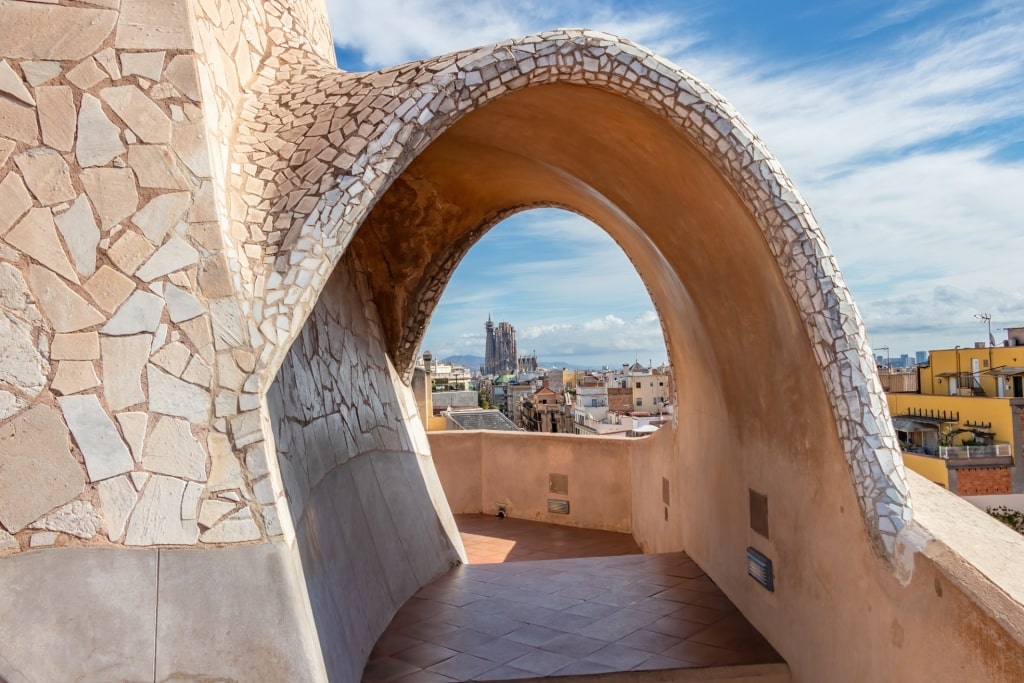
{"x": 900, "y": 121}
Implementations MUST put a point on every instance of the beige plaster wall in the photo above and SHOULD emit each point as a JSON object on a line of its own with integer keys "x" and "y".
{"x": 371, "y": 523}
{"x": 481, "y": 470}
{"x": 755, "y": 412}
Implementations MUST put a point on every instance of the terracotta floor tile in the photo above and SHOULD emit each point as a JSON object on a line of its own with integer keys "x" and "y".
{"x": 462, "y": 667}
{"x": 505, "y": 673}
{"x": 500, "y": 650}
{"x": 617, "y": 625}
{"x": 424, "y": 677}
{"x": 385, "y": 669}
{"x": 571, "y": 645}
{"x": 583, "y": 668}
{"x": 529, "y": 616}
{"x": 533, "y": 635}
{"x": 541, "y": 662}
{"x": 425, "y": 655}
{"x": 649, "y": 641}
{"x": 619, "y": 657}
{"x": 462, "y": 639}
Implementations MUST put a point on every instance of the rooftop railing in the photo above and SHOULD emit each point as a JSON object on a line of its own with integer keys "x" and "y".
{"x": 990, "y": 451}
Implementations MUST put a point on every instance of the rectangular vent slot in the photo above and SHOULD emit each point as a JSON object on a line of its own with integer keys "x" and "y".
{"x": 558, "y": 507}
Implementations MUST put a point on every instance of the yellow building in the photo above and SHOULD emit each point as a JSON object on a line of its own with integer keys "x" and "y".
{"x": 962, "y": 428}
{"x": 992, "y": 371}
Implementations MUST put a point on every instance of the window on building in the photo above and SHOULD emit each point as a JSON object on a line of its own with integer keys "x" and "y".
{"x": 638, "y": 385}
{"x": 639, "y": 402}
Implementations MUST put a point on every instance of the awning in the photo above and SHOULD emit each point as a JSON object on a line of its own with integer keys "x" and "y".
{"x": 947, "y": 374}
{"x": 1005, "y": 372}
{"x": 907, "y": 424}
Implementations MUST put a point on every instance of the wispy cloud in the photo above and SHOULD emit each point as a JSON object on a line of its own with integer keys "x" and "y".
{"x": 388, "y": 32}
{"x": 900, "y": 147}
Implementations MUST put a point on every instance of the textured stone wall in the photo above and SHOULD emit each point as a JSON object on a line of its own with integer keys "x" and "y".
{"x": 124, "y": 343}
{"x": 372, "y": 524}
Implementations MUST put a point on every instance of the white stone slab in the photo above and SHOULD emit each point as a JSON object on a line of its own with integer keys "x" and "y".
{"x": 78, "y": 518}
{"x": 190, "y": 501}
{"x": 156, "y": 167}
{"x": 161, "y": 214}
{"x": 140, "y": 313}
{"x": 74, "y": 376}
{"x": 81, "y": 234}
{"x": 171, "y": 396}
{"x": 225, "y": 472}
{"x": 43, "y": 539}
{"x": 123, "y": 360}
{"x": 34, "y": 31}
{"x": 76, "y": 346}
{"x": 236, "y": 528}
{"x": 105, "y": 453}
{"x": 174, "y": 255}
{"x": 213, "y": 510}
{"x": 99, "y": 140}
{"x": 57, "y": 116}
{"x": 37, "y": 458}
{"x": 130, "y": 251}
{"x": 14, "y": 201}
{"x": 157, "y": 516}
{"x": 117, "y": 499}
{"x": 38, "y": 73}
{"x": 109, "y": 288}
{"x": 36, "y": 235}
{"x": 173, "y": 358}
{"x": 113, "y": 192}
{"x": 181, "y": 305}
{"x": 47, "y": 175}
{"x": 173, "y": 450}
{"x": 11, "y": 84}
{"x": 21, "y": 365}
{"x": 142, "y": 115}
{"x": 146, "y": 64}
{"x": 66, "y": 310}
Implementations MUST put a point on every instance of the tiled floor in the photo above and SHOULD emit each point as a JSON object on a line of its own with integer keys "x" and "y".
{"x": 559, "y": 617}
{"x": 490, "y": 539}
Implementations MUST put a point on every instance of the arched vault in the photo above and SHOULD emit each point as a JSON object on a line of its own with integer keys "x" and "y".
{"x": 407, "y": 167}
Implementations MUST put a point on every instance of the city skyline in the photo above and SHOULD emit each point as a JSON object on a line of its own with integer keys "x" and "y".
{"x": 902, "y": 125}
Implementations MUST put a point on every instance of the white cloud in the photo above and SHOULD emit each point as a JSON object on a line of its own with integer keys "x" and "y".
{"x": 388, "y": 32}
{"x": 895, "y": 150}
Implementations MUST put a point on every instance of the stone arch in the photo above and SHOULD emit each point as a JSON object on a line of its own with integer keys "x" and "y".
{"x": 334, "y": 143}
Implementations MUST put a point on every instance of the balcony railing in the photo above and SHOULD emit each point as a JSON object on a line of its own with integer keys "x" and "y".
{"x": 991, "y": 451}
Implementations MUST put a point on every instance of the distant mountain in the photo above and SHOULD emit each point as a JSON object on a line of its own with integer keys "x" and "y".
{"x": 471, "y": 362}
{"x": 474, "y": 362}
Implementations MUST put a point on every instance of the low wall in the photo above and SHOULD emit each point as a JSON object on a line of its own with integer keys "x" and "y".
{"x": 932, "y": 469}
{"x": 481, "y": 470}
{"x": 1014, "y": 501}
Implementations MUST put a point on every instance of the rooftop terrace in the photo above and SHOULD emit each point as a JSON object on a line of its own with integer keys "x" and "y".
{"x": 508, "y": 615}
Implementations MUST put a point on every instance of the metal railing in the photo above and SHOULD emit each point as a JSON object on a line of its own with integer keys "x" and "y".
{"x": 991, "y": 451}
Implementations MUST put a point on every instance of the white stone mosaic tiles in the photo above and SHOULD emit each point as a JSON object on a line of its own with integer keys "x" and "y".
{"x": 127, "y": 410}
{"x": 320, "y": 146}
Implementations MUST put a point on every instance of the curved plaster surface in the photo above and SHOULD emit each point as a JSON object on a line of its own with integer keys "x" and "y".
{"x": 691, "y": 181}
